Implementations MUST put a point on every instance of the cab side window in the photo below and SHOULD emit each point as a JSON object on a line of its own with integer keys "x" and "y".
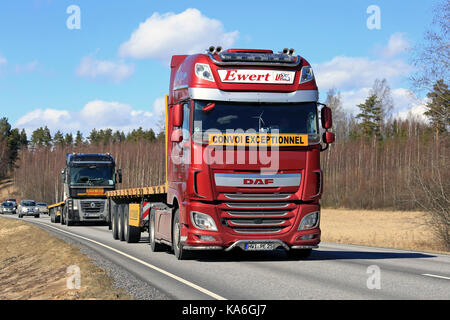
{"x": 186, "y": 121}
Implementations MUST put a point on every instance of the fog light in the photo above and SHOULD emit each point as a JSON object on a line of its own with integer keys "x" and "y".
{"x": 307, "y": 237}
{"x": 203, "y": 221}
{"x": 207, "y": 238}
{"x": 310, "y": 221}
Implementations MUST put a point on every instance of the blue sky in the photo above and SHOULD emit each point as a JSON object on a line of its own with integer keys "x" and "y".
{"x": 99, "y": 76}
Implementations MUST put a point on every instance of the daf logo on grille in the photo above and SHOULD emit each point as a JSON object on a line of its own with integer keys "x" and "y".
{"x": 92, "y": 204}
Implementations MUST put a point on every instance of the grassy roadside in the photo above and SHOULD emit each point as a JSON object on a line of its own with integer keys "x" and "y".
{"x": 389, "y": 229}
{"x": 33, "y": 266}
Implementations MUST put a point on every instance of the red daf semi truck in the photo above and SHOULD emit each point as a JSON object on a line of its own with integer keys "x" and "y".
{"x": 243, "y": 148}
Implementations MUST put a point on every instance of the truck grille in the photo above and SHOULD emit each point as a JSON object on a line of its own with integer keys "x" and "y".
{"x": 92, "y": 206}
{"x": 257, "y": 218}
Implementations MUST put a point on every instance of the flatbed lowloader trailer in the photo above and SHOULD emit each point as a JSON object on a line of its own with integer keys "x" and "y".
{"x": 227, "y": 113}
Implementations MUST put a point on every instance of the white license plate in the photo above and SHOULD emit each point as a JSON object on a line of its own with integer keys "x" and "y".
{"x": 259, "y": 246}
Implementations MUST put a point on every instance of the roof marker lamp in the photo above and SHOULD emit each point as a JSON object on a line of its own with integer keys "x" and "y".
{"x": 203, "y": 71}
{"x": 307, "y": 74}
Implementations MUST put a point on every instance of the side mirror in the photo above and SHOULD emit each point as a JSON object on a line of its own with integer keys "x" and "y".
{"x": 119, "y": 175}
{"x": 177, "y": 135}
{"x": 177, "y": 113}
{"x": 328, "y": 137}
{"x": 326, "y": 118}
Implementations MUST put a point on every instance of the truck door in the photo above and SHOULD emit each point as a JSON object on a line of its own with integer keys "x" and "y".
{"x": 181, "y": 150}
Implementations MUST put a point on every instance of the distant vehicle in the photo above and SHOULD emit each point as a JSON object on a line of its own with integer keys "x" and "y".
{"x": 13, "y": 201}
{"x": 28, "y": 208}
{"x": 7, "y": 207}
{"x": 43, "y": 208}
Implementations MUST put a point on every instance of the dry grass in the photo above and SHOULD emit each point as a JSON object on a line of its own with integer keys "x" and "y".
{"x": 391, "y": 229}
{"x": 33, "y": 266}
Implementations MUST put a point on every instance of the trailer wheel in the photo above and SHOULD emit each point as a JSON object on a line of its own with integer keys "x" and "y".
{"x": 120, "y": 223}
{"x": 52, "y": 216}
{"x": 156, "y": 247}
{"x": 57, "y": 218}
{"x": 115, "y": 221}
{"x": 178, "y": 250}
{"x": 132, "y": 234}
{"x": 110, "y": 215}
{"x": 61, "y": 216}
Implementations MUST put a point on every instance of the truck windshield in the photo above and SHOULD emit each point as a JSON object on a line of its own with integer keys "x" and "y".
{"x": 93, "y": 175}
{"x": 283, "y": 118}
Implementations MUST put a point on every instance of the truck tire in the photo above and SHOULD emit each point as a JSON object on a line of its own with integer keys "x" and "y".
{"x": 69, "y": 222}
{"x": 120, "y": 224}
{"x": 110, "y": 214}
{"x": 61, "y": 216}
{"x": 178, "y": 250}
{"x": 57, "y": 218}
{"x": 115, "y": 221}
{"x": 298, "y": 254}
{"x": 131, "y": 234}
{"x": 155, "y": 246}
{"x": 37, "y": 216}
{"x": 52, "y": 216}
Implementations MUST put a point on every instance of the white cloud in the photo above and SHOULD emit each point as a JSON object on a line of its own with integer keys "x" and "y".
{"x": 163, "y": 35}
{"x": 104, "y": 70}
{"x": 397, "y": 44}
{"x": 3, "y": 60}
{"x": 407, "y": 104}
{"x": 351, "y": 99}
{"x": 348, "y": 73}
{"x": 27, "y": 67}
{"x": 96, "y": 114}
{"x": 52, "y": 118}
{"x": 353, "y": 73}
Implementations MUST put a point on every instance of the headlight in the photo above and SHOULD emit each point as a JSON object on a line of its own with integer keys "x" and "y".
{"x": 203, "y": 71}
{"x": 203, "y": 221}
{"x": 306, "y": 75}
{"x": 311, "y": 220}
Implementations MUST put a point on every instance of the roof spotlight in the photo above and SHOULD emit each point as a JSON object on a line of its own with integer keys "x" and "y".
{"x": 218, "y": 49}
{"x": 211, "y": 49}
{"x": 285, "y": 50}
{"x": 291, "y": 51}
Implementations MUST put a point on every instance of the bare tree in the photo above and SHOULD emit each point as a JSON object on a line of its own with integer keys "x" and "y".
{"x": 334, "y": 101}
{"x": 431, "y": 191}
{"x": 432, "y": 56}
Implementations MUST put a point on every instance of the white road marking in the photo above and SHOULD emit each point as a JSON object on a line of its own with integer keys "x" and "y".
{"x": 435, "y": 276}
{"x": 171, "y": 275}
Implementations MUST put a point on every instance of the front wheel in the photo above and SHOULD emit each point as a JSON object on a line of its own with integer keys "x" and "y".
{"x": 180, "y": 253}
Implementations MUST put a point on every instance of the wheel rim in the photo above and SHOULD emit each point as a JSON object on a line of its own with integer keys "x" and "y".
{"x": 177, "y": 236}
{"x": 152, "y": 230}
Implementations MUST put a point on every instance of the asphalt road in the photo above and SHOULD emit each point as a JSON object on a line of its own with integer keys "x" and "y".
{"x": 333, "y": 271}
